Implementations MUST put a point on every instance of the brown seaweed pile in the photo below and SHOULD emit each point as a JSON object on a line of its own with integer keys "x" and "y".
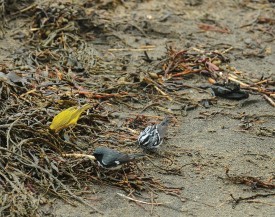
{"x": 58, "y": 67}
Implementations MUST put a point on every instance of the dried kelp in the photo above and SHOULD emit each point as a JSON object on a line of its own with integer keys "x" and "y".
{"x": 33, "y": 161}
{"x": 59, "y": 68}
{"x": 254, "y": 183}
{"x": 56, "y": 35}
{"x": 214, "y": 65}
{"x": 2, "y": 17}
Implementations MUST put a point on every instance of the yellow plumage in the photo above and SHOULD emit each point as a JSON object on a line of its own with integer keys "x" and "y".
{"x": 68, "y": 117}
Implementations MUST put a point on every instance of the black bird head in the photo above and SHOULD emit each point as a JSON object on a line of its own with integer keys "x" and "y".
{"x": 99, "y": 152}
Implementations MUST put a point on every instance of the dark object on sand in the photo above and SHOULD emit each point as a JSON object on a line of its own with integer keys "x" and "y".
{"x": 229, "y": 90}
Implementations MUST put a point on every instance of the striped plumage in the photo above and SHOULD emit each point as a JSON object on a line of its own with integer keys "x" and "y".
{"x": 152, "y": 137}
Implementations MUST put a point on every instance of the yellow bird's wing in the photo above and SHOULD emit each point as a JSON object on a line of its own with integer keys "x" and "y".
{"x": 62, "y": 119}
{"x": 76, "y": 115}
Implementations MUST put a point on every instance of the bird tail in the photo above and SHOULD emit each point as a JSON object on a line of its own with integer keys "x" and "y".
{"x": 163, "y": 126}
{"x": 137, "y": 156}
{"x": 165, "y": 121}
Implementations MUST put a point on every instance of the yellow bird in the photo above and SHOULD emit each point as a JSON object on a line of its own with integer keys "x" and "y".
{"x": 67, "y": 117}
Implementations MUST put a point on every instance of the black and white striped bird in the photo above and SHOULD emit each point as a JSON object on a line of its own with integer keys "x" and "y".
{"x": 152, "y": 137}
{"x": 112, "y": 159}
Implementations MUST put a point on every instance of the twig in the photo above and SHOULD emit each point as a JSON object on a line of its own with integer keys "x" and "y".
{"x": 237, "y": 81}
{"x": 131, "y": 49}
{"x": 8, "y": 132}
{"x": 25, "y": 9}
{"x": 263, "y": 81}
{"x": 228, "y": 49}
{"x": 139, "y": 201}
{"x": 249, "y": 180}
{"x": 269, "y": 100}
{"x": 163, "y": 93}
{"x": 258, "y": 201}
{"x": 252, "y": 21}
{"x": 76, "y": 155}
{"x": 248, "y": 199}
{"x": 149, "y": 105}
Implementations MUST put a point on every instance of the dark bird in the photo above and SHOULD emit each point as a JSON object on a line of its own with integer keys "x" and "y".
{"x": 152, "y": 137}
{"x": 229, "y": 90}
{"x": 112, "y": 159}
